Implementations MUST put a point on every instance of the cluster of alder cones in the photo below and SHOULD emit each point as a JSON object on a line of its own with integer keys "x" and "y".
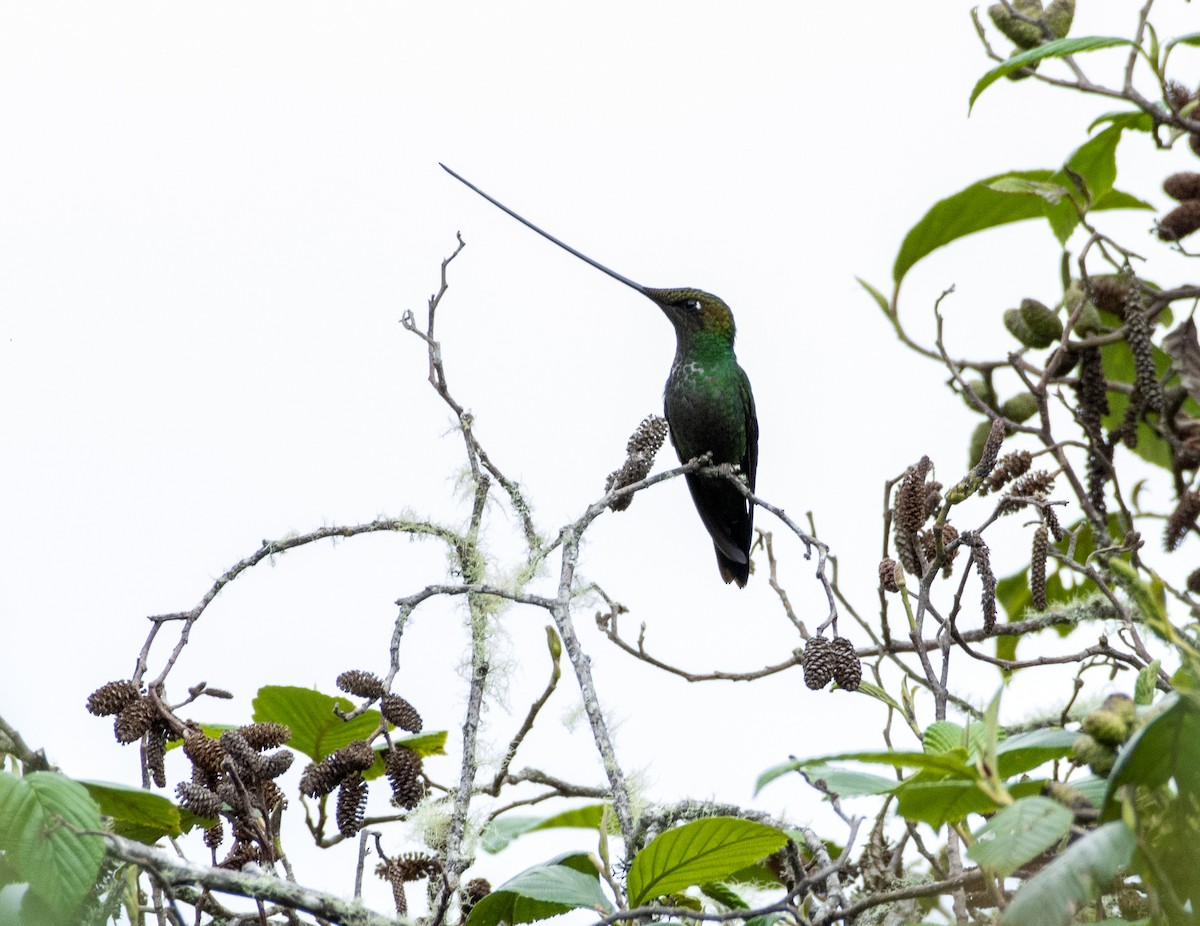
{"x": 835, "y": 660}
{"x": 233, "y": 775}
{"x": 1184, "y": 186}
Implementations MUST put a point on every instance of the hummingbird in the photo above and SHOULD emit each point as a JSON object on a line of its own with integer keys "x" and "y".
{"x": 708, "y": 403}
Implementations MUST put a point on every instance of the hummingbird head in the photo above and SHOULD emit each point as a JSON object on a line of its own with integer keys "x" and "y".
{"x": 692, "y": 311}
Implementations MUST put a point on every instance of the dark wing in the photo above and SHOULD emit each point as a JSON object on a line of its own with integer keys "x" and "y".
{"x": 750, "y": 460}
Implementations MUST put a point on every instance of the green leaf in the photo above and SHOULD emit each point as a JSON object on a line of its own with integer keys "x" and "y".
{"x": 1050, "y": 192}
{"x": 1136, "y": 120}
{"x": 845, "y": 782}
{"x": 1192, "y": 38}
{"x": 37, "y": 814}
{"x": 1026, "y": 751}
{"x": 136, "y": 813}
{"x": 316, "y": 730}
{"x": 1055, "y": 49}
{"x": 503, "y": 830}
{"x": 1020, "y": 832}
{"x": 698, "y": 852}
{"x": 1073, "y": 879}
{"x": 941, "y": 736}
{"x": 971, "y": 210}
{"x": 880, "y": 298}
{"x": 954, "y": 763}
{"x": 569, "y": 882}
{"x": 1168, "y": 746}
{"x": 949, "y": 800}
{"x": 723, "y": 894}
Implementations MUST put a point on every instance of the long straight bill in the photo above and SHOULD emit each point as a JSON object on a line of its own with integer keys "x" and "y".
{"x": 545, "y": 234}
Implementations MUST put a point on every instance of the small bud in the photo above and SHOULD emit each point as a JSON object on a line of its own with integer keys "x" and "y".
{"x": 1098, "y": 757}
{"x": 1033, "y": 324}
{"x": 1022, "y": 34}
{"x": 1020, "y": 407}
{"x": 1106, "y": 727}
{"x": 1059, "y": 14}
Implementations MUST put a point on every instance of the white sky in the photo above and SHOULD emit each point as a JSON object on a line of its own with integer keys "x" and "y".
{"x": 215, "y": 214}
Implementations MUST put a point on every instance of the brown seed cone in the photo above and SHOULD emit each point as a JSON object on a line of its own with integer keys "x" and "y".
{"x": 351, "y": 804}
{"x": 198, "y": 799}
{"x": 1178, "y": 96}
{"x": 134, "y": 720}
{"x": 249, "y": 762}
{"x": 270, "y": 797}
{"x": 263, "y": 736}
{"x": 355, "y": 756}
{"x": 910, "y": 500}
{"x": 847, "y": 667}
{"x": 933, "y": 499}
{"x": 1109, "y": 293}
{"x": 1182, "y": 520}
{"x": 1194, "y": 144}
{"x": 390, "y": 871}
{"x": 404, "y": 774}
{"x": 360, "y": 683}
{"x": 214, "y": 836}
{"x": 1180, "y": 221}
{"x": 928, "y": 542}
{"x": 890, "y": 574}
{"x": 1181, "y": 186}
{"x": 1137, "y": 335}
{"x": 987, "y": 598}
{"x": 242, "y": 854}
{"x": 206, "y": 753}
{"x": 991, "y": 448}
{"x": 1193, "y": 582}
{"x": 322, "y": 777}
{"x": 413, "y": 866}
{"x": 1051, "y": 521}
{"x": 1037, "y": 568}
{"x": 1010, "y": 466}
{"x": 276, "y": 763}
{"x": 641, "y": 449}
{"x": 111, "y": 697}
{"x": 818, "y": 663}
{"x": 1037, "y": 484}
{"x": 156, "y": 752}
{"x": 474, "y": 891}
{"x": 398, "y": 711}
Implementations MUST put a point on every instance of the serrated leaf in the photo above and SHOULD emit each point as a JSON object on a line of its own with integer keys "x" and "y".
{"x": 1055, "y": 49}
{"x": 1019, "y": 833}
{"x": 723, "y": 894}
{"x": 136, "y": 813}
{"x": 1026, "y": 751}
{"x": 697, "y": 852}
{"x": 569, "y": 882}
{"x": 37, "y": 814}
{"x": 941, "y": 736}
{"x": 1073, "y": 879}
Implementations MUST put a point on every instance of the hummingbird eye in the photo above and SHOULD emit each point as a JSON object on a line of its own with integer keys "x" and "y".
{"x": 692, "y": 305}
